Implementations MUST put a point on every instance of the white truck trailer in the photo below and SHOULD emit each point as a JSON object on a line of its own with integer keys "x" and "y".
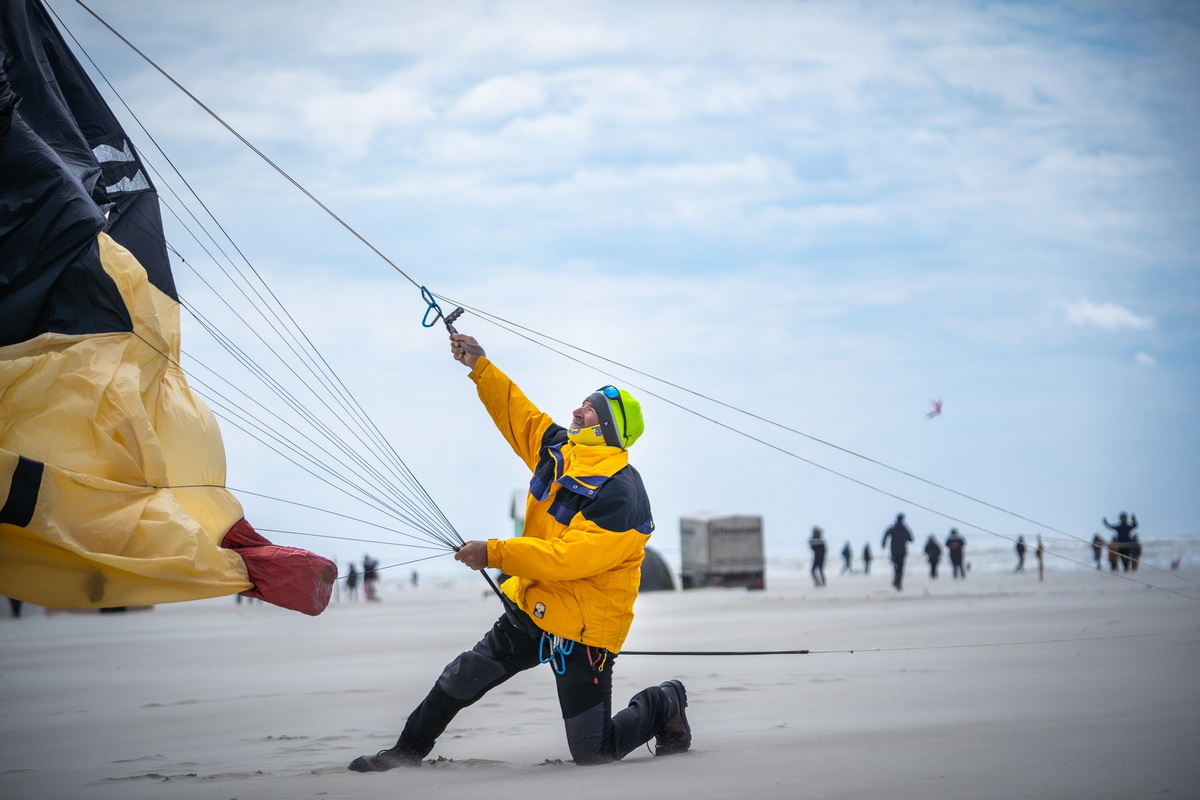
{"x": 722, "y": 550}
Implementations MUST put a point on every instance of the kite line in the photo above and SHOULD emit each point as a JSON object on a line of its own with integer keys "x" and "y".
{"x": 909, "y": 648}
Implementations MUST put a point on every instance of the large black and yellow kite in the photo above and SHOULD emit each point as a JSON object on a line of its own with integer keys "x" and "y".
{"x": 112, "y": 472}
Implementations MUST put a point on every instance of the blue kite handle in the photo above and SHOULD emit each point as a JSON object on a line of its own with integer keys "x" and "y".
{"x": 433, "y": 308}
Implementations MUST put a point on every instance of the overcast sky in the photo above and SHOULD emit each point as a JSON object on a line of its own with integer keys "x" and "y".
{"x": 827, "y": 214}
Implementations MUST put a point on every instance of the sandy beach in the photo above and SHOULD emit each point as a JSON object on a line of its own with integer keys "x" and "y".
{"x": 1083, "y": 685}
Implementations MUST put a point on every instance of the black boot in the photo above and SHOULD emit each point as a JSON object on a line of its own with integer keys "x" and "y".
{"x": 675, "y": 735}
{"x": 385, "y": 760}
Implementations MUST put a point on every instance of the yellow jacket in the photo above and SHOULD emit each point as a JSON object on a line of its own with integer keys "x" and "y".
{"x": 577, "y": 565}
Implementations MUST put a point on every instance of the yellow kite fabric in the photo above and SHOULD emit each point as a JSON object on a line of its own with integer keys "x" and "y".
{"x": 112, "y": 419}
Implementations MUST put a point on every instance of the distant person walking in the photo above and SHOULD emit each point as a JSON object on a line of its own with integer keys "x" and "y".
{"x": 371, "y": 578}
{"x": 847, "y": 559}
{"x": 955, "y": 544}
{"x": 1040, "y": 553}
{"x": 1098, "y": 548}
{"x": 899, "y": 535}
{"x": 933, "y": 554}
{"x": 1020, "y": 554}
{"x": 1124, "y": 538}
{"x": 352, "y": 584}
{"x": 818, "y": 550}
{"x": 867, "y": 557}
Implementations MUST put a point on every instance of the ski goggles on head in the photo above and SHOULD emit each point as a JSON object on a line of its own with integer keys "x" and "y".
{"x": 612, "y": 393}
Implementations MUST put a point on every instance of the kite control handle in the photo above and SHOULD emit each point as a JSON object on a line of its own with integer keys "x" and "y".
{"x": 436, "y": 311}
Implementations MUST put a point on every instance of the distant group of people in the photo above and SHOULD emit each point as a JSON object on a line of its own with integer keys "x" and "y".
{"x": 370, "y": 580}
{"x": 817, "y": 544}
{"x": 955, "y": 543}
{"x": 896, "y": 540}
{"x": 848, "y": 559}
{"x": 1124, "y": 549}
{"x": 1040, "y": 553}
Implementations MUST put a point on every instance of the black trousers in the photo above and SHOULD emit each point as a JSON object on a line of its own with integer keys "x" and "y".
{"x": 514, "y": 644}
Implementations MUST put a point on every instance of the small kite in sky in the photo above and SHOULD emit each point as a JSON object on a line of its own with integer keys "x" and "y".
{"x": 936, "y": 411}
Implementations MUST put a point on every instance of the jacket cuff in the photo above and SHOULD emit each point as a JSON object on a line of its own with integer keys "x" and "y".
{"x": 493, "y": 553}
{"x": 481, "y": 364}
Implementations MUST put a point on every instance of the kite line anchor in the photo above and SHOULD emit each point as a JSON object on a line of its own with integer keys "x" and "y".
{"x": 436, "y": 311}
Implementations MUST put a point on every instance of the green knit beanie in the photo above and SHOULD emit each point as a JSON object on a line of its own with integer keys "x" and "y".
{"x": 620, "y": 415}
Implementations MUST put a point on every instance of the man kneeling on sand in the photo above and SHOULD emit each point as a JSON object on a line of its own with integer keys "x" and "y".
{"x": 575, "y": 568}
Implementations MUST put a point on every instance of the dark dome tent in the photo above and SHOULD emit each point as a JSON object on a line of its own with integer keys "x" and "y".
{"x": 656, "y": 573}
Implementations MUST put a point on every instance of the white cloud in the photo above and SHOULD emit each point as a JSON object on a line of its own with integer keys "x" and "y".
{"x": 500, "y": 97}
{"x": 1145, "y": 360}
{"x": 1105, "y": 316}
